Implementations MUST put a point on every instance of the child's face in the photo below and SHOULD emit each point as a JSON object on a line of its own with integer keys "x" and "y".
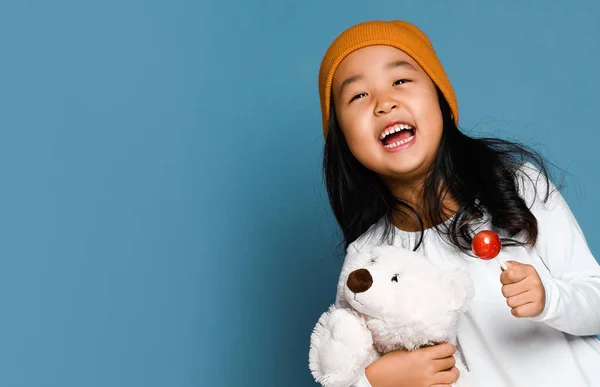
{"x": 379, "y": 88}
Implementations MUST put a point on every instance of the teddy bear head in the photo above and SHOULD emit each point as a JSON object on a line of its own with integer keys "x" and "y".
{"x": 407, "y": 300}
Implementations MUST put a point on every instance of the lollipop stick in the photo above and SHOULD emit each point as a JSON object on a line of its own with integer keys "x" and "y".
{"x": 502, "y": 264}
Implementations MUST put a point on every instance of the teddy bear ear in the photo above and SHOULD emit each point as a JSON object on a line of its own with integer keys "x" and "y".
{"x": 460, "y": 288}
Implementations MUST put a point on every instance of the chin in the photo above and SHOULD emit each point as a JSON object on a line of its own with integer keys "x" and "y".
{"x": 406, "y": 173}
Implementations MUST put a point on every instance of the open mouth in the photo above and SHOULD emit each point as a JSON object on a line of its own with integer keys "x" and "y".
{"x": 397, "y": 135}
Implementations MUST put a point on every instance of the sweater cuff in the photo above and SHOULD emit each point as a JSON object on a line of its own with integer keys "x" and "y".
{"x": 552, "y": 298}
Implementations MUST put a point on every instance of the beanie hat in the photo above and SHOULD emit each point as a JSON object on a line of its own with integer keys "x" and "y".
{"x": 396, "y": 33}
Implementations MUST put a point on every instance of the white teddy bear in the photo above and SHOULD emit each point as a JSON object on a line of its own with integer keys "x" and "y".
{"x": 396, "y": 299}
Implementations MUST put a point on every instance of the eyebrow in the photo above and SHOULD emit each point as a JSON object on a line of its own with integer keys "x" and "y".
{"x": 400, "y": 63}
{"x": 391, "y": 65}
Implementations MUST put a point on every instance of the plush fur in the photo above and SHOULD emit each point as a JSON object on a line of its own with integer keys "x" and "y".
{"x": 393, "y": 299}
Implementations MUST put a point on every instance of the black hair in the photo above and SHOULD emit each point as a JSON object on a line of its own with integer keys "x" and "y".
{"x": 479, "y": 174}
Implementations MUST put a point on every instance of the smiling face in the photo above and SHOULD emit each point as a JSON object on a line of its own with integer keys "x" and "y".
{"x": 388, "y": 110}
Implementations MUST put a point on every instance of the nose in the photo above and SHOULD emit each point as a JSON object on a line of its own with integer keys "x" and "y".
{"x": 385, "y": 106}
{"x": 359, "y": 281}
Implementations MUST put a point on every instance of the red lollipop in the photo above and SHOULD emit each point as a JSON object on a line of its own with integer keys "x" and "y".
{"x": 486, "y": 245}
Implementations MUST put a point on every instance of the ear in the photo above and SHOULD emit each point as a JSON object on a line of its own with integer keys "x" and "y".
{"x": 460, "y": 288}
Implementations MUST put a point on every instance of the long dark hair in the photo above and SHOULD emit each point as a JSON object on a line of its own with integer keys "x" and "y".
{"x": 478, "y": 173}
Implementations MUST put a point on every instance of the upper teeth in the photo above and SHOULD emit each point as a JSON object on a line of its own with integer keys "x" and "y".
{"x": 394, "y": 129}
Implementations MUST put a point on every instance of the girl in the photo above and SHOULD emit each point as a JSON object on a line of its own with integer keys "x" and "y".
{"x": 399, "y": 171}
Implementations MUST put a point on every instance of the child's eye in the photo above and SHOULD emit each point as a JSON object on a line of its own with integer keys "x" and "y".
{"x": 400, "y": 82}
{"x": 357, "y": 96}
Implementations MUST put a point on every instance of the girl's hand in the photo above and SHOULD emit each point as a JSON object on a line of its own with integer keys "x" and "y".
{"x": 522, "y": 287}
{"x": 425, "y": 367}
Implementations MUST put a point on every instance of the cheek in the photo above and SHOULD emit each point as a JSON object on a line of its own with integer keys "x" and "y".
{"x": 356, "y": 127}
{"x": 353, "y": 123}
{"x": 430, "y": 117}
{"x": 436, "y": 124}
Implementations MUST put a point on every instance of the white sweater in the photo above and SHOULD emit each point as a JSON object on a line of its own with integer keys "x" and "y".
{"x": 557, "y": 348}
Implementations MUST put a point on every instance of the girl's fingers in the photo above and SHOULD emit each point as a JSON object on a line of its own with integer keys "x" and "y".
{"x": 446, "y": 377}
{"x": 440, "y": 351}
{"x": 444, "y": 364}
{"x": 514, "y": 289}
{"x": 519, "y": 299}
{"x": 527, "y": 310}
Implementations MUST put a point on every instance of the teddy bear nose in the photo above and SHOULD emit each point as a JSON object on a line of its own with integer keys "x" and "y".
{"x": 359, "y": 281}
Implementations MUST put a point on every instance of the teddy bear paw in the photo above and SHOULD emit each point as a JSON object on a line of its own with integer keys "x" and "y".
{"x": 340, "y": 349}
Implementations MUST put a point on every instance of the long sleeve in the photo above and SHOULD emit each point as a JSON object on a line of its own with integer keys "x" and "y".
{"x": 362, "y": 382}
{"x": 573, "y": 286}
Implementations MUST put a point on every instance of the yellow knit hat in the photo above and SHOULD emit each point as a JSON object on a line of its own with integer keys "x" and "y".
{"x": 396, "y": 33}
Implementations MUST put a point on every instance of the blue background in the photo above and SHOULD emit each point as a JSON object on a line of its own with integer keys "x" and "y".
{"x": 162, "y": 216}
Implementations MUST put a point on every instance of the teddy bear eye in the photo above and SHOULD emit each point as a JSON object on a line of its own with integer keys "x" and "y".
{"x": 395, "y": 278}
